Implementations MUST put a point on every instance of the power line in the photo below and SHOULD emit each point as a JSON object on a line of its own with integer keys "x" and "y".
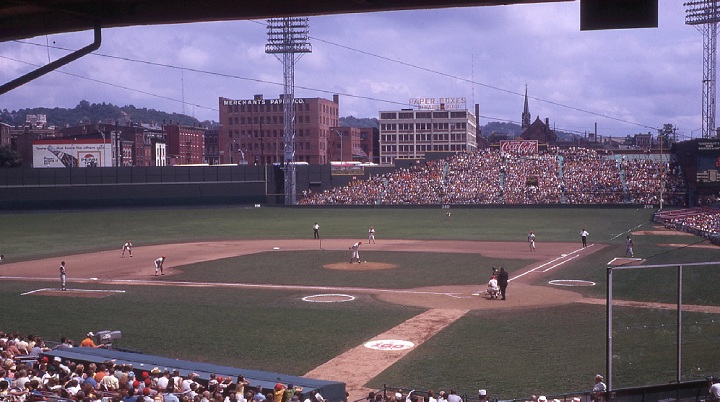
{"x": 109, "y": 83}
{"x": 400, "y": 62}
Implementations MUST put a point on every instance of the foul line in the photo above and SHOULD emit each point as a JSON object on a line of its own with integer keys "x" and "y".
{"x": 562, "y": 262}
{"x": 562, "y": 257}
{"x": 628, "y": 231}
{"x": 234, "y": 285}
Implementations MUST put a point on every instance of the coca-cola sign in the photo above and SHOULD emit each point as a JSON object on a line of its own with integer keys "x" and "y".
{"x": 519, "y": 147}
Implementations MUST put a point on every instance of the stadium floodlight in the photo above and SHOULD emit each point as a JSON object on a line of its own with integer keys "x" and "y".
{"x": 704, "y": 15}
{"x": 289, "y": 37}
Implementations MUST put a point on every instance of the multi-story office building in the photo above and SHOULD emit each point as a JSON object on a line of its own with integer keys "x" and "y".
{"x": 252, "y": 130}
{"x": 409, "y": 133}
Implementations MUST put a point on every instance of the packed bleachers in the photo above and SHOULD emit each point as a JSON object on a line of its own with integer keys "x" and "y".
{"x": 32, "y": 372}
{"x": 701, "y": 221}
{"x": 556, "y": 176}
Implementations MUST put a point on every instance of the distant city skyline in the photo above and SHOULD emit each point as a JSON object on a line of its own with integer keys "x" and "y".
{"x": 626, "y": 81}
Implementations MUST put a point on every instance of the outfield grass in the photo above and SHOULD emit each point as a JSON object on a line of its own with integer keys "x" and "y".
{"x": 46, "y": 234}
{"x": 513, "y": 354}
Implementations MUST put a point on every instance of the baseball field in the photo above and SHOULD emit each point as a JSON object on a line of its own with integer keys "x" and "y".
{"x": 251, "y": 288}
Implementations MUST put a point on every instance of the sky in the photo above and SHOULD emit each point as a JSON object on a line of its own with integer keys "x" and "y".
{"x": 622, "y": 81}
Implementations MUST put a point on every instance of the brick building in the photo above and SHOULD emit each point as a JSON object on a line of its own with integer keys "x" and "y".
{"x": 252, "y": 130}
{"x": 185, "y": 144}
{"x": 351, "y": 144}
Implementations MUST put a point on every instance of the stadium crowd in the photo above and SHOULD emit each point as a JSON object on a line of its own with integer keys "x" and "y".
{"x": 555, "y": 176}
{"x": 701, "y": 221}
{"x": 26, "y": 375}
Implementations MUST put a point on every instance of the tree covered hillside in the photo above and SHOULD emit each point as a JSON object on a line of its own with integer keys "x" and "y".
{"x": 86, "y": 112}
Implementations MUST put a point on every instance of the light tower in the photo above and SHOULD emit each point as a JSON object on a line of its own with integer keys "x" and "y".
{"x": 704, "y": 15}
{"x": 289, "y": 37}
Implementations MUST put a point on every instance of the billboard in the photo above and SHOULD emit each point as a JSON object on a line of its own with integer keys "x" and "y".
{"x": 708, "y": 163}
{"x": 519, "y": 147}
{"x": 67, "y": 152}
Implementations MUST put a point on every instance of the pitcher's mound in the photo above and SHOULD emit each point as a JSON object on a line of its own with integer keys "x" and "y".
{"x": 364, "y": 266}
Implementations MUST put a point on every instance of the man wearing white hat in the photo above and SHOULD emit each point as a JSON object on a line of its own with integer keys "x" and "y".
{"x": 599, "y": 389}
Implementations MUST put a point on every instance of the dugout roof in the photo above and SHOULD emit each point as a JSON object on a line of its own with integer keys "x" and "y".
{"x": 142, "y": 362}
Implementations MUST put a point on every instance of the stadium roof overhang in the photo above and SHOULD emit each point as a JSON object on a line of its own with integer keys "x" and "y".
{"x": 28, "y": 18}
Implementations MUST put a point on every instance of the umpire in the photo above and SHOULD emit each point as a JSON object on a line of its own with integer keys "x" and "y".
{"x": 502, "y": 281}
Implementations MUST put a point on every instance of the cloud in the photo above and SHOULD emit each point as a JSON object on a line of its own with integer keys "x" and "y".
{"x": 625, "y": 80}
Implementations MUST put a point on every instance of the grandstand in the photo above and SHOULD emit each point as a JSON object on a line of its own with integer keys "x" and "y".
{"x": 701, "y": 221}
{"x": 34, "y": 372}
{"x": 491, "y": 177}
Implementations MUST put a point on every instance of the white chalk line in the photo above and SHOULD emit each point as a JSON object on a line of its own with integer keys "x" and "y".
{"x": 562, "y": 257}
{"x": 628, "y": 231}
{"x": 243, "y": 285}
{"x": 73, "y": 290}
{"x": 562, "y": 262}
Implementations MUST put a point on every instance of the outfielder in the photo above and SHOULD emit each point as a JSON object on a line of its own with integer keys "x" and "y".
{"x": 159, "y": 265}
{"x": 355, "y": 252}
{"x": 127, "y": 246}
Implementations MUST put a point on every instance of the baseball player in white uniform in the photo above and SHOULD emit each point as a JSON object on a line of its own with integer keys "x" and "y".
{"x": 127, "y": 246}
{"x": 355, "y": 252}
{"x": 531, "y": 240}
{"x": 371, "y": 235}
{"x": 159, "y": 265}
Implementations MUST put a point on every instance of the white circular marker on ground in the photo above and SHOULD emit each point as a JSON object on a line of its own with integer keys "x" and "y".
{"x": 389, "y": 344}
{"x": 571, "y": 282}
{"x": 329, "y": 298}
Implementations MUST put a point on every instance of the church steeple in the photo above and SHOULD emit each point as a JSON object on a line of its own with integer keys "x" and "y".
{"x": 526, "y": 112}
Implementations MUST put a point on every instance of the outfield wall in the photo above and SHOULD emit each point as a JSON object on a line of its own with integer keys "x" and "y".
{"x": 27, "y": 188}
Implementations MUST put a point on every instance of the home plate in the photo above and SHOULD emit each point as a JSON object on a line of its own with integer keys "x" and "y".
{"x": 276, "y": 248}
{"x": 93, "y": 279}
